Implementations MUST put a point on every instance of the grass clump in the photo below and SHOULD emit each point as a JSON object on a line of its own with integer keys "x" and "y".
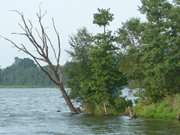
{"x": 168, "y": 108}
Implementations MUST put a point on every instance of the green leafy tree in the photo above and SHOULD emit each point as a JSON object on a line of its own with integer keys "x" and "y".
{"x": 94, "y": 72}
{"x": 78, "y": 69}
{"x": 151, "y": 58}
{"x": 103, "y": 18}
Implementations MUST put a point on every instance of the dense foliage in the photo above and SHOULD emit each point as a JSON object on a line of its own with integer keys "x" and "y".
{"x": 94, "y": 76}
{"x": 23, "y": 73}
{"x": 152, "y": 56}
{"x": 144, "y": 54}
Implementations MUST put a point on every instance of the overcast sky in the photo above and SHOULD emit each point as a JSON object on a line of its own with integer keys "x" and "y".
{"x": 69, "y": 16}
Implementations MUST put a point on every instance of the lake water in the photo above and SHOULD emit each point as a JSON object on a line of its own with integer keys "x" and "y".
{"x": 34, "y": 112}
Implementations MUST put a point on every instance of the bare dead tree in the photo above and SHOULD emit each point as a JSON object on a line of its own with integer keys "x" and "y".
{"x": 42, "y": 43}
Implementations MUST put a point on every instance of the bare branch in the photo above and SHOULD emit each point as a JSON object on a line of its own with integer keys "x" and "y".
{"x": 12, "y": 42}
{"x": 59, "y": 44}
{"x": 54, "y": 72}
{"x": 52, "y": 47}
{"x": 38, "y": 34}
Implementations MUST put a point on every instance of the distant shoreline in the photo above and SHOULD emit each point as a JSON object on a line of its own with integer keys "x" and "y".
{"x": 24, "y": 86}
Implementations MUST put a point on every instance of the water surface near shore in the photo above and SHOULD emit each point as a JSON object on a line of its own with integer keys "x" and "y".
{"x": 34, "y": 112}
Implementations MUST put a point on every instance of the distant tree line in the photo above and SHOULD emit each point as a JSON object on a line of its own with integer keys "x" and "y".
{"x": 24, "y": 72}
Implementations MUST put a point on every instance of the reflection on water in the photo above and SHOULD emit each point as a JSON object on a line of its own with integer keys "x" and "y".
{"x": 34, "y": 112}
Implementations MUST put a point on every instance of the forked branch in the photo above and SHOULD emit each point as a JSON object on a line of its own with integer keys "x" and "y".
{"x": 41, "y": 42}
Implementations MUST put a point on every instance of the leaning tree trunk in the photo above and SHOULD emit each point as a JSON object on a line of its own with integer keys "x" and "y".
{"x": 67, "y": 99}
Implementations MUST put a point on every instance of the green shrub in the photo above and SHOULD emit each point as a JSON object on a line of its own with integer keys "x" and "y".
{"x": 168, "y": 108}
{"x": 115, "y": 106}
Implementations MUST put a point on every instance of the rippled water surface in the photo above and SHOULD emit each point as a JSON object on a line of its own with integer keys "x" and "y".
{"x": 34, "y": 112}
